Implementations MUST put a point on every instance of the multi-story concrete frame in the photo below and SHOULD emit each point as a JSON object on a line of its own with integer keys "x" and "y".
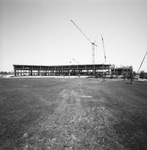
{"x": 63, "y": 70}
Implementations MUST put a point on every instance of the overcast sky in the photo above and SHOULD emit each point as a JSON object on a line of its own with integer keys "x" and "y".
{"x": 40, "y": 32}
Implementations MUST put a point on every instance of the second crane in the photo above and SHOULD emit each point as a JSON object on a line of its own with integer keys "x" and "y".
{"x": 93, "y": 43}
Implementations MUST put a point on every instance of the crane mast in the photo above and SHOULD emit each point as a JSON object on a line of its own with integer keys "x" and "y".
{"x": 93, "y": 43}
{"x": 103, "y": 48}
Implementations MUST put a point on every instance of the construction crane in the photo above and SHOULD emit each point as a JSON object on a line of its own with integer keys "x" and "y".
{"x": 72, "y": 59}
{"x": 103, "y": 48}
{"x": 93, "y": 43}
{"x": 142, "y": 62}
{"x": 75, "y": 61}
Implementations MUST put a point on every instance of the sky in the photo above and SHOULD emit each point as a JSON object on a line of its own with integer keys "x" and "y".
{"x": 40, "y": 32}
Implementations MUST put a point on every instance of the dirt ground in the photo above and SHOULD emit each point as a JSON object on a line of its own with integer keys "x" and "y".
{"x": 73, "y": 114}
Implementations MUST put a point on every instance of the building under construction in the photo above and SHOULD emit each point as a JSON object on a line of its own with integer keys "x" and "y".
{"x": 121, "y": 70}
{"x": 62, "y": 70}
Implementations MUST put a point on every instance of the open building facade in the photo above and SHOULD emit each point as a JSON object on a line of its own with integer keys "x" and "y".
{"x": 70, "y": 70}
{"x": 61, "y": 70}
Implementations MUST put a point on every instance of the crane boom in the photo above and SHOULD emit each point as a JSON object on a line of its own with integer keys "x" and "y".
{"x": 103, "y": 48}
{"x": 93, "y": 43}
{"x": 142, "y": 62}
{"x": 75, "y": 61}
{"x": 81, "y": 31}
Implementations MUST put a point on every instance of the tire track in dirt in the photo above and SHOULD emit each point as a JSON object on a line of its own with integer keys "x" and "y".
{"x": 80, "y": 122}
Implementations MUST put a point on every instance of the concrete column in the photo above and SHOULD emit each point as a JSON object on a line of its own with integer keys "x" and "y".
{"x": 93, "y": 69}
{"x": 55, "y": 71}
{"x": 40, "y": 71}
{"x": 69, "y": 71}
{"x": 77, "y": 70}
{"x": 85, "y": 70}
{"x": 47, "y": 71}
{"x": 14, "y": 70}
{"x": 62, "y": 71}
{"x": 23, "y": 70}
{"x": 31, "y": 70}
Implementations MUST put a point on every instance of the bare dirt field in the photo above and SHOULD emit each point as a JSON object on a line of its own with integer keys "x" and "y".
{"x": 72, "y": 114}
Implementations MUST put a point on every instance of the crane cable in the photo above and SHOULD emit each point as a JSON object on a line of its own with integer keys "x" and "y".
{"x": 142, "y": 62}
